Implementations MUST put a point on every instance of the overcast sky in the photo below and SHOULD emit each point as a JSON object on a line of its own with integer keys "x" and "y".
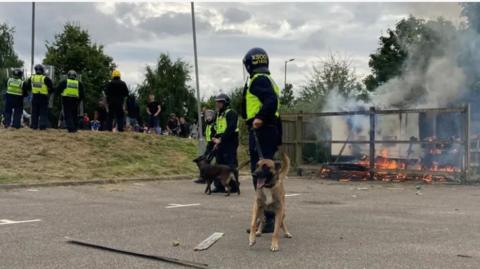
{"x": 134, "y": 34}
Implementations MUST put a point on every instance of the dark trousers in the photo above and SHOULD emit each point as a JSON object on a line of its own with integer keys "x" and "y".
{"x": 13, "y": 106}
{"x": 39, "y": 112}
{"x": 226, "y": 154}
{"x": 115, "y": 111}
{"x": 153, "y": 121}
{"x": 70, "y": 113}
{"x": 269, "y": 138}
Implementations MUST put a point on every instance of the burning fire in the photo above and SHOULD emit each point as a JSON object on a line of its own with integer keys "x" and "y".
{"x": 391, "y": 169}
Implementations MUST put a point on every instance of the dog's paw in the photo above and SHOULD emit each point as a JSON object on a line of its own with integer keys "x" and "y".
{"x": 258, "y": 233}
{"x": 274, "y": 248}
{"x": 252, "y": 243}
{"x": 288, "y": 235}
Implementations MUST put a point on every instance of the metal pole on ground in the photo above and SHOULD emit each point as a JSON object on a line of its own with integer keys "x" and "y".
{"x": 201, "y": 141}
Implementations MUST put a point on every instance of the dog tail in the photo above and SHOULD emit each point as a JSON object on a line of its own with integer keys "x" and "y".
{"x": 285, "y": 164}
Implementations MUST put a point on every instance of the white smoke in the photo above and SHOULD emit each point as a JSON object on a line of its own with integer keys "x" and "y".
{"x": 439, "y": 85}
{"x": 428, "y": 80}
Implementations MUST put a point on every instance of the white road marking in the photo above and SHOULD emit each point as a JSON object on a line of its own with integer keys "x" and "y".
{"x": 180, "y": 205}
{"x": 32, "y": 190}
{"x": 8, "y": 222}
{"x": 292, "y": 194}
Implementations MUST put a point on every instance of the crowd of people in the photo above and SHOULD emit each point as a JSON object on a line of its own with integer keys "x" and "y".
{"x": 116, "y": 111}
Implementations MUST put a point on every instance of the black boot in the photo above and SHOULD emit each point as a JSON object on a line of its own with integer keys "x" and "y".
{"x": 218, "y": 188}
{"x": 269, "y": 225}
{"x": 269, "y": 222}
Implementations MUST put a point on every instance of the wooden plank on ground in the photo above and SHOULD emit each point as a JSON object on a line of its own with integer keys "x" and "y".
{"x": 205, "y": 244}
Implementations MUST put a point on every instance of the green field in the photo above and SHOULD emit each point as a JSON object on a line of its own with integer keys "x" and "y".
{"x": 55, "y": 155}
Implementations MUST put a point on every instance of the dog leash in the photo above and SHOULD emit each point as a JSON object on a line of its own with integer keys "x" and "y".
{"x": 257, "y": 144}
{"x": 210, "y": 155}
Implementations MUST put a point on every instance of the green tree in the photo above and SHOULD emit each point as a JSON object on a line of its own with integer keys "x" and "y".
{"x": 414, "y": 39}
{"x": 331, "y": 74}
{"x": 8, "y": 57}
{"x": 235, "y": 99}
{"x": 287, "y": 99}
{"x": 168, "y": 82}
{"x": 73, "y": 49}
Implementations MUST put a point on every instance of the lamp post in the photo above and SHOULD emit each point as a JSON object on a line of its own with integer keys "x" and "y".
{"x": 286, "y": 62}
{"x": 33, "y": 37}
{"x": 201, "y": 142}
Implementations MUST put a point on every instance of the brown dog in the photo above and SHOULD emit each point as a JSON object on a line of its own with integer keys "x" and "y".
{"x": 270, "y": 195}
{"x": 220, "y": 173}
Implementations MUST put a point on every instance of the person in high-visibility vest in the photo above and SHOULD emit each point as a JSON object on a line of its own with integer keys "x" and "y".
{"x": 14, "y": 100}
{"x": 226, "y": 137}
{"x": 260, "y": 109}
{"x": 40, "y": 86}
{"x": 210, "y": 132}
{"x": 72, "y": 93}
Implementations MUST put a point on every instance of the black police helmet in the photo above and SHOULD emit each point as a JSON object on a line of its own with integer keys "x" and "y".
{"x": 17, "y": 73}
{"x": 39, "y": 69}
{"x": 256, "y": 60}
{"x": 72, "y": 74}
{"x": 223, "y": 98}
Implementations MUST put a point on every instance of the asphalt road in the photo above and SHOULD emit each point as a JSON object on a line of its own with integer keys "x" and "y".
{"x": 334, "y": 225}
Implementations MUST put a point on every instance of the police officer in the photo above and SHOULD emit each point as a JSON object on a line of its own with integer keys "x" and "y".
{"x": 40, "y": 86}
{"x": 72, "y": 93}
{"x": 116, "y": 92}
{"x": 260, "y": 108}
{"x": 226, "y": 137}
{"x": 209, "y": 134}
{"x": 14, "y": 99}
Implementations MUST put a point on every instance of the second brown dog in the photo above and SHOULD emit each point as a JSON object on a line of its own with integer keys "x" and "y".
{"x": 217, "y": 173}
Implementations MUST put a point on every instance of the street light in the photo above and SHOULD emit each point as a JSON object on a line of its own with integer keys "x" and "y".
{"x": 286, "y": 62}
{"x": 201, "y": 144}
{"x": 33, "y": 37}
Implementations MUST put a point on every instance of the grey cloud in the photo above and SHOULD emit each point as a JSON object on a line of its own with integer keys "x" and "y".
{"x": 366, "y": 14}
{"x": 236, "y": 15}
{"x": 296, "y": 22}
{"x": 51, "y": 17}
{"x": 174, "y": 24}
{"x": 124, "y": 8}
{"x": 270, "y": 26}
{"x": 351, "y": 29}
{"x": 317, "y": 40}
{"x": 229, "y": 32}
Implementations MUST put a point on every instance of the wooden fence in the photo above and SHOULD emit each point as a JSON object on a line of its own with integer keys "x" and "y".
{"x": 297, "y": 134}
